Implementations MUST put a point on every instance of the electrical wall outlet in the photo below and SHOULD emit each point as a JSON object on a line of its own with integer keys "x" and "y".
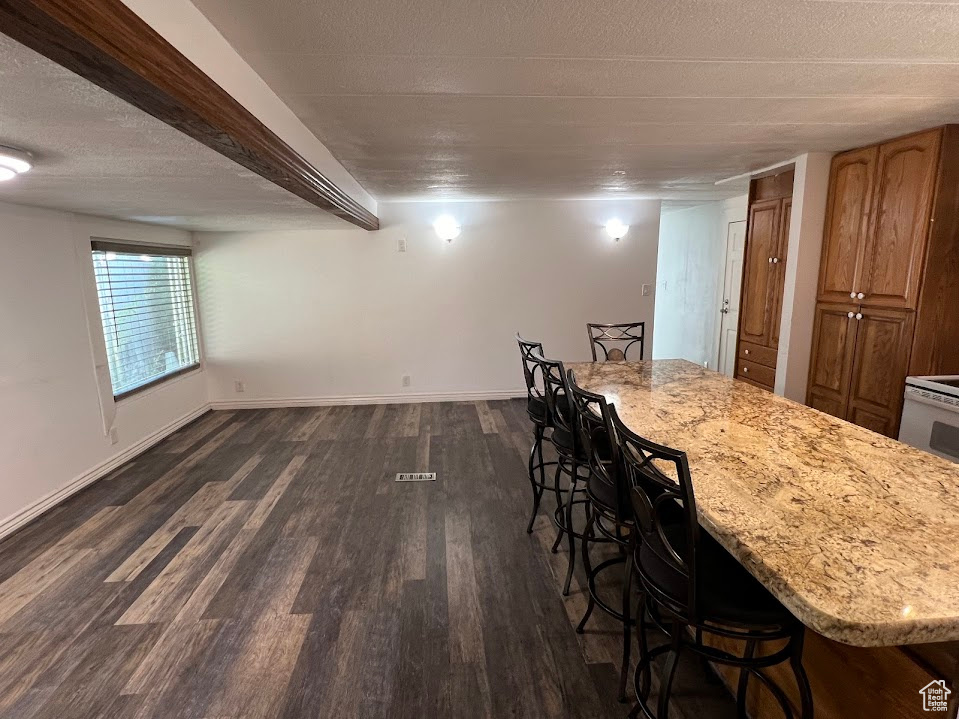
{"x": 239, "y": 386}
{"x": 406, "y": 380}
{"x": 114, "y": 435}
{"x": 646, "y": 290}
{"x": 401, "y": 244}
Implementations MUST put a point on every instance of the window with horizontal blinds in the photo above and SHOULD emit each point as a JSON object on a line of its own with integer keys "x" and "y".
{"x": 146, "y": 304}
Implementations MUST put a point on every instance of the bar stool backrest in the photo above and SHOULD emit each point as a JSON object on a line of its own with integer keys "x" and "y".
{"x": 617, "y": 342}
{"x": 532, "y": 372}
{"x": 660, "y": 482}
{"x": 557, "y": 394}
{"x": 593, "y": 419}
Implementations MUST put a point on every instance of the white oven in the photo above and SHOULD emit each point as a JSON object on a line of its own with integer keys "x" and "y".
{"x": 930, "y": 415}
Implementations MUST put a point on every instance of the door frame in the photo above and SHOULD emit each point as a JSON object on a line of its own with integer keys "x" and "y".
{"x": 731, "y": 216}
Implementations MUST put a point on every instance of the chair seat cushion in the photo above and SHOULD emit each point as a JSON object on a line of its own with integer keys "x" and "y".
{"x": 537, "y": 410}
{"x": 564, "y": 442}
{"x": 726, "y": 592}
{"x": 602, "y": 493}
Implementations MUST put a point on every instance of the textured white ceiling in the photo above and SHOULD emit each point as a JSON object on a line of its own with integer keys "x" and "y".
{"x": 97, "y": 155}
{"x": 558, "y": 98}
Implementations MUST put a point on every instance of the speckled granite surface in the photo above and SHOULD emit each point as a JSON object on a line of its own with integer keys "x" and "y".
{"x": 857, "y": 534}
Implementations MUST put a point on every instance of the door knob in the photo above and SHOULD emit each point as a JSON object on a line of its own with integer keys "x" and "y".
{"x": 859, "y": 315}
{"x": 860, "y": 295}
{"x": 851, "y": 315}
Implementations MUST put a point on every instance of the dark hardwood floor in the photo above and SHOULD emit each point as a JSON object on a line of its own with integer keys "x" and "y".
{"x": 264, "y": 563}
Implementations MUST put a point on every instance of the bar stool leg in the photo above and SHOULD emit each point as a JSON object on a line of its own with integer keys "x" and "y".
{"x": 805, "y": 692}
{"x": 743, "y": 681}
{"x": 569, "y": 528}
{"x": 587, "y": 566}
{"x": 537, "y": 490}
{"x": 627, "y": 628}
{"x": 643, "y": 670}
{"x": 559, "y": 502}
{"x": 669, "y": 671}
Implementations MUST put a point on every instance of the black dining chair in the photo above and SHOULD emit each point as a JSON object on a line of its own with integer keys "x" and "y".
{"x": 538, "y": 412}
{"x": 609, "y": 517}
{"x": 570, "y": 463}
{"x": 691, "y": 586}
{"x": 617, "y": 342}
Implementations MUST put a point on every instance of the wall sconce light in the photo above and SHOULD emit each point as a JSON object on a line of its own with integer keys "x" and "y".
{"x": 13, "y": 162}
{"x": 447, "y": 228}
{"x": 616, "y": 229}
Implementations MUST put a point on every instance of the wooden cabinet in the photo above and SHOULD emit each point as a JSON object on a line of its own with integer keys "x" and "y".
{"x": 891, "y": 258}
{"x": 833, "y": 346}
{"x": 861, "y": 359}
{"x": 847, "y": 221}
{"x": 779, "y": 273}
{"x": 767, "y": 236}
{"x": 889, "y": 278}
{"x": 759, "y": 280}
{"x": 879, "y": 368}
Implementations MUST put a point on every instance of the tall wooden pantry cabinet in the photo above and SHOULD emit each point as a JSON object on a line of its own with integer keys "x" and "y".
{"x": 764, "y": 266}
{"x": 888, "y": 300}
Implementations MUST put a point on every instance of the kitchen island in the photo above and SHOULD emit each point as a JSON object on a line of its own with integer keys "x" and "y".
{"x": 856, "y": 534}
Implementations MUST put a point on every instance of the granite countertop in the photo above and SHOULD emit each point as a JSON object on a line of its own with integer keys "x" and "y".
{"x": 855, "y": 533}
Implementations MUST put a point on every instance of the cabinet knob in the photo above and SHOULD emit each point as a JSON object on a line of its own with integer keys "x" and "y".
{"x": 770, "y": 260}
{"x": 745, "y": 352}
{"x": 851, "y": 315}
{"x": 775, "y": 260}
{"x": 859, "y": 315}
{"x": 860, "y": 295}
{"x": 852, "y": 295}
{"x": 745, "y": 370}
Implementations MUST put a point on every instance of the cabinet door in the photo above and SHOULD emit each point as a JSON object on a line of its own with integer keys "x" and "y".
{"x": 762, "y": 240}
{"x": 883, "y": 342}
{"x": 902, "y": 207}
{"x": 779, "y": 273}
{"x": 830, "y": 367}
{"x": 847, "y": 221}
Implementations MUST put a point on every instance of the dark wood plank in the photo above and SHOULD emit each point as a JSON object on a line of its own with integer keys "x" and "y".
{"x": 268, "y": 565}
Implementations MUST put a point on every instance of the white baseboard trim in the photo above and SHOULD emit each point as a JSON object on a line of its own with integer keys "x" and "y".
{"x": 44, "y": 504}
{"x": 410, "y": 397}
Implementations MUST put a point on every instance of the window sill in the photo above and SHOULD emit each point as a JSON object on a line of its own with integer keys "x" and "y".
{"x": 158, "y": 384}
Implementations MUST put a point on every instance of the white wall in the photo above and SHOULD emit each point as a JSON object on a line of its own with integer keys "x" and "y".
{"x": 52, "y": 434}
{"x": 689, "y": 278}
{"x": 310, "y": 316}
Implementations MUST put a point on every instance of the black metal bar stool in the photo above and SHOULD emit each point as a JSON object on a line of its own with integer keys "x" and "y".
{"x": 538, "y": 411}
{"x": 608, "y": 504}
{"x": 690, "y": 582}
{"x": 571, "y": 462}
{"x": 618, "y": 342}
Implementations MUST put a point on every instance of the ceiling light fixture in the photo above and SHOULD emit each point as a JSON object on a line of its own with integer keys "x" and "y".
{"x": 616, "y": 229}
{"x": 13, "y": 162}
{"x": 447, "y": 228}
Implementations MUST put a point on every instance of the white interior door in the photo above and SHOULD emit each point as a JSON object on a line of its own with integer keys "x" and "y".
{"x": 732, "y": 284}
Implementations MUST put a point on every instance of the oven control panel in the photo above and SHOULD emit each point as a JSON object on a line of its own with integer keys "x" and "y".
{"x": 932, "y": 396}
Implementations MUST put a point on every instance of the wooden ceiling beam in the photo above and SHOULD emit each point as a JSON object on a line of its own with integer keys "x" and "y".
{"x": 111, "y": 46}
